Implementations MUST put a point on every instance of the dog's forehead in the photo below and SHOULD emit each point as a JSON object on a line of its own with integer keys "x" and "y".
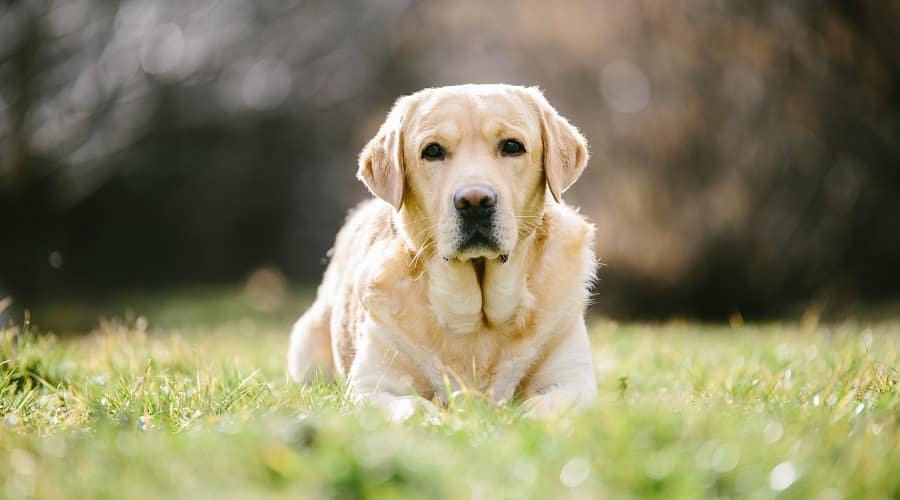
{"x": 491, "y": 105}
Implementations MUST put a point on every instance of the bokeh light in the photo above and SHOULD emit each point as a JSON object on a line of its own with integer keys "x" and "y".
{"x": 743, "y": 156}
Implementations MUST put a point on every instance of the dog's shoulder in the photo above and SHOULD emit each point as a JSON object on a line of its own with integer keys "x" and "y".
{"x": 567, "y": 227}
{"x": 366, "y": 224}
{"x": 370, "y": 243}
{"x": 565, "y": 265}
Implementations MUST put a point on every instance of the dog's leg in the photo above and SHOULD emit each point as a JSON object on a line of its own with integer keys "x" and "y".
{"x": 381, "y": 376}
{"x": 309, "y": 354}
{"x": 564, "y": 379}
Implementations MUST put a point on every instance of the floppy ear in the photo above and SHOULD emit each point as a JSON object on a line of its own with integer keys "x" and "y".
{"x": 381, "y": 161}
{"x": 565, "y": 149}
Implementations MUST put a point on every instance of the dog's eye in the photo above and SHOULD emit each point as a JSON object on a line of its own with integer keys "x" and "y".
{"x": 433, "y": 152}
{"x": 511, "y": 147}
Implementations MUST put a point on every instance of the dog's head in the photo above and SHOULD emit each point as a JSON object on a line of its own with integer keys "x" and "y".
{"x": 468, "y": 167}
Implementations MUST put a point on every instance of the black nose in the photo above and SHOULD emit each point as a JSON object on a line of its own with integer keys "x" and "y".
{"x": 475, "y": 201}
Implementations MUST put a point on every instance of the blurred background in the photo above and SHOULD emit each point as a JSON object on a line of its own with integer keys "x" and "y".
{"x": 745, "y": 155}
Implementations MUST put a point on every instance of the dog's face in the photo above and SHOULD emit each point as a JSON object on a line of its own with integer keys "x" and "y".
{"x": 467, "y": 167}
{"x": 473, "y": 164}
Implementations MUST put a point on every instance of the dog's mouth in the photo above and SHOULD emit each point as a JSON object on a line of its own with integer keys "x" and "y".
{"x": 474, "y": 236}
{"x": 478, "y": 242}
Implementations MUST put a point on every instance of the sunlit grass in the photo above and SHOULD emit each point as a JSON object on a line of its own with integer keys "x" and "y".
{"x": 133, "y": 410}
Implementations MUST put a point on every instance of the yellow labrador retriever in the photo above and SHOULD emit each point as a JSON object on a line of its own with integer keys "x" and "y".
{"x": 468, "y": 272}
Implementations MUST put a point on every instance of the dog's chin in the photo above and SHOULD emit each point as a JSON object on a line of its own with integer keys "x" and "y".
{"x": 477, "y": 254}
{"x": 479, "y": 247}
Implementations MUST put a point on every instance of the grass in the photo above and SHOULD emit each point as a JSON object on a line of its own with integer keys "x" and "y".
{"x": 196, "y": 405}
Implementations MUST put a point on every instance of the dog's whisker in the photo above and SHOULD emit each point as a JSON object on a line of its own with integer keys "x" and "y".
{"x": 427, "y": 229}
{"x": 415, "y": 260}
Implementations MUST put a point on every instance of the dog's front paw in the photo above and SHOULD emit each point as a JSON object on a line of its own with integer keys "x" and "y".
{"x": 401, "y": 408}
{"x": 555, "y": 400}
{"x": 543, "y": 407}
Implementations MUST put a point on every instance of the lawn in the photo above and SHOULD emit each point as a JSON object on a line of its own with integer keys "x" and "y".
{"x": 187, "y": 398}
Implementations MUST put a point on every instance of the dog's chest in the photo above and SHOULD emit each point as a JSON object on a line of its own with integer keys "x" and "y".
{"x": 467, "y": 306}
{"x": 462, "y": 321}
{"x": 472, "y": 361}
{"x": 475, "y": 319}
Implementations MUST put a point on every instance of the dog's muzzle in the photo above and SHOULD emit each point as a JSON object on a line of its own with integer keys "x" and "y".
{"x": 476, "y": 206}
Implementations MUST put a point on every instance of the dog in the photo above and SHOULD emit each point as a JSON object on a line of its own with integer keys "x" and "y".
{"x": 467, "y": 271}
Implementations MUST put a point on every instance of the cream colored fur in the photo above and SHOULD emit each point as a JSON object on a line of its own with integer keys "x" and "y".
{"x": 405, "y": 317}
